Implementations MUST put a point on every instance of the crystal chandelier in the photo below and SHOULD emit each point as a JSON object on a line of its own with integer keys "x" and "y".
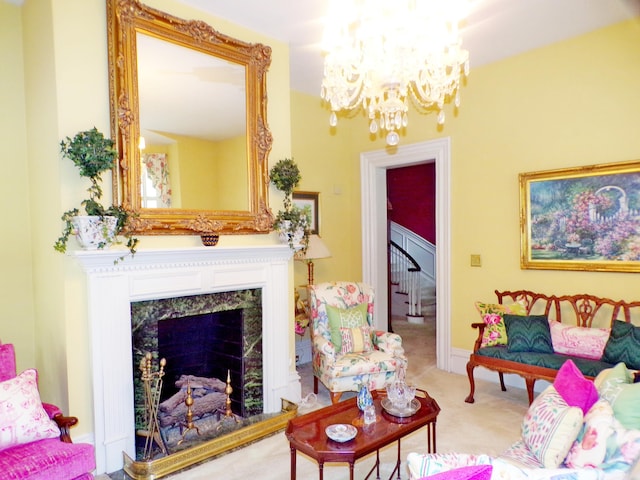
{"x": 381, "y": 52}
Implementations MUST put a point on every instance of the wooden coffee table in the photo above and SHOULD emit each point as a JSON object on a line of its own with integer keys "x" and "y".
{"x": 306, "y": 433}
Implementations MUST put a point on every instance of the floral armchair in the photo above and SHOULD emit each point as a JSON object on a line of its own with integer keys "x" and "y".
{"x": 35, "y": 443}
{"x": 347, "y": 352}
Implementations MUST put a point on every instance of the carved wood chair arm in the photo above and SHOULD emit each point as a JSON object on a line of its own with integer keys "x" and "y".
{"x": 480, "y": 326}
{"x": 65, "y": 424}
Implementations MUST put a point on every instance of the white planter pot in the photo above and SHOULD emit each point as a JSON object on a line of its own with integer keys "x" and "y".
{"x": 94, "y": 232}
{"x": 296, "y": 236}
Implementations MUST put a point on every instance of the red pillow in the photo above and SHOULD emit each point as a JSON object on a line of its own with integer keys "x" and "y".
{"x": 576, "y": 390}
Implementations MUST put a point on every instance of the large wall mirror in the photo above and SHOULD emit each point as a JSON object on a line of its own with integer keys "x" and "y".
{"x": 188, "y": 112}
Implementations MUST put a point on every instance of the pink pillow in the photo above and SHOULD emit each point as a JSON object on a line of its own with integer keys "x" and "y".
{"x": 579, "y": 341}
{"x": 22, "y": 417}
{"x": 474, "y": 472}
{"x": 576, "y": 390}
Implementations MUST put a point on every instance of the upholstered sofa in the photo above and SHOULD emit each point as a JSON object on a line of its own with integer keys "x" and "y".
{"x": 576, "y": 429}
{"x": 35, "y": 441}
{"x": 532, "y": 334}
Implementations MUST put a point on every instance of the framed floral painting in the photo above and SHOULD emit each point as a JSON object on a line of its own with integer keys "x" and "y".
{"x": 584, "y": 218}
{"x": 309, "y": 200}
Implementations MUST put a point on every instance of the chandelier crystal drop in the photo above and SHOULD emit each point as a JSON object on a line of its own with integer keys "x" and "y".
{"x": 381, "y": 52}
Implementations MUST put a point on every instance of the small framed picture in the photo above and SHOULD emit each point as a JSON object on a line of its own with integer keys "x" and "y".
{"x": 309, "y": 199}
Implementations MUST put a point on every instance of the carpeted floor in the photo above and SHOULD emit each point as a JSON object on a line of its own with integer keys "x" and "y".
{"x": 490, "y": 425}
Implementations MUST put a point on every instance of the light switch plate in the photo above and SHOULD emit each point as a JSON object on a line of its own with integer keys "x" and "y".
{"x": 475, "y": 260}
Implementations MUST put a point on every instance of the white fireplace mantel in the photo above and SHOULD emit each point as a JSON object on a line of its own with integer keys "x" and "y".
{"x": 166, "y": 273}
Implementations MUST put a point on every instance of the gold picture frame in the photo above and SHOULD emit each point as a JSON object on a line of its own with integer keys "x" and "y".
{"x": 584, "y": 218}
{"x": 309, "y": 199}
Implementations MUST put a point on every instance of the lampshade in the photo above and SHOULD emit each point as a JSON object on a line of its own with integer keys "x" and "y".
{"x": 316, "y": 249}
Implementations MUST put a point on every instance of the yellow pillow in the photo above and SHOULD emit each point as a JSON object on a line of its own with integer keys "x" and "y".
{"x": 355, "y": 340}
{"x": 353, "y": 317}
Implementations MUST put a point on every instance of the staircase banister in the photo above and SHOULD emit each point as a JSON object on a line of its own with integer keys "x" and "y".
{"x": 416, "y": 267}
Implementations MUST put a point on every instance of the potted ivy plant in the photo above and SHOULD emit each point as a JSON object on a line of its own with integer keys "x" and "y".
{"x": 93, "y": 154}
{"x": 292, "y": 223}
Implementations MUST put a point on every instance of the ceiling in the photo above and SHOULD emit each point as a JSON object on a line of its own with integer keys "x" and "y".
{"x": 494, "y": 30}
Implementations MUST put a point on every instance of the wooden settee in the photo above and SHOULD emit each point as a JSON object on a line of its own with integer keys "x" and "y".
{"x": 581, "y": 310}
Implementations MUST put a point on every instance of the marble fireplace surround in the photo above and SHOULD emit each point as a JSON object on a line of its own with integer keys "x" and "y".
{"x": 166, "y": 273}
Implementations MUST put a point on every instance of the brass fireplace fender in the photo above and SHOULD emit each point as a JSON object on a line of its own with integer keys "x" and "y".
{"x": 153, "y": 469}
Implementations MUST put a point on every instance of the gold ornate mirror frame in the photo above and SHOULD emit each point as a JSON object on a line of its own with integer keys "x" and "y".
{"x": 125, "y": 20}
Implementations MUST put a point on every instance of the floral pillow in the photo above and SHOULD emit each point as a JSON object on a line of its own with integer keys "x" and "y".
{"x": 616, "y": 386}
{"x": 577, "y": 341}
{"x": 492, "y": 315}
{"x": 22, "y": 416}
{"x": 623, "y": 450}
{"x": 590, "y": 447}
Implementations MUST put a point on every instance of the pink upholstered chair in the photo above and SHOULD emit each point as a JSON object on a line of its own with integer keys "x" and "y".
{"x": 32, "y": 446}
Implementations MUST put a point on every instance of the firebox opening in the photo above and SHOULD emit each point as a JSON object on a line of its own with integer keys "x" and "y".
{"x": 207, "y": 346}
{"x": 202, "y": 339}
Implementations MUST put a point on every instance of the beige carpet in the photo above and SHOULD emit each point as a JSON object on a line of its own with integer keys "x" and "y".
{"x": 488, "y": 426}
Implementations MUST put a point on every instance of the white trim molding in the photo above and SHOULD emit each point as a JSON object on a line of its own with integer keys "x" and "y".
{"x": 158, "y": 274}
{"x": 373, "y": 167}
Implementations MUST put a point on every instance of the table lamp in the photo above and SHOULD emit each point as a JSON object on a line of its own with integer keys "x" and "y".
{"x": 316, "y": 249}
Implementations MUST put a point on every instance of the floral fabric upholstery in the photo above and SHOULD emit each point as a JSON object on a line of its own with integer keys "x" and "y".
{"x": 424, "y": 465}
{"x": 341, "y": 373}
{"x": 618, "y": 460}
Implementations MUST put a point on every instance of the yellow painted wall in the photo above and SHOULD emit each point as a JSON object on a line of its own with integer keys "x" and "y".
{"x": 570, "y": 104}
{"x": 231, "y": 192}
{"x": 329, "y": 165}
{"x": 64, "y": 89}
{"x": 17, "y": 323}
{"x": 207, "y": 172}
{"x": 567, "y": 105}
{"x": 196, "y": 165}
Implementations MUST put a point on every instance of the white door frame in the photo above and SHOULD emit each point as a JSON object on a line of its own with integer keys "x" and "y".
{"x": 373, "y": 167}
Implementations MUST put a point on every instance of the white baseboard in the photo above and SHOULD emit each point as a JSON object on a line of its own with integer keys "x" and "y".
{"x": 85, "y": 438}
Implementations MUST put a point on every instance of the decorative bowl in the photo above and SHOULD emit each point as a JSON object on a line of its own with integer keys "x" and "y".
{"x": 341, "y": 432}
{"x": 406, "y": 411}
{"x": 209, "y": 240}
